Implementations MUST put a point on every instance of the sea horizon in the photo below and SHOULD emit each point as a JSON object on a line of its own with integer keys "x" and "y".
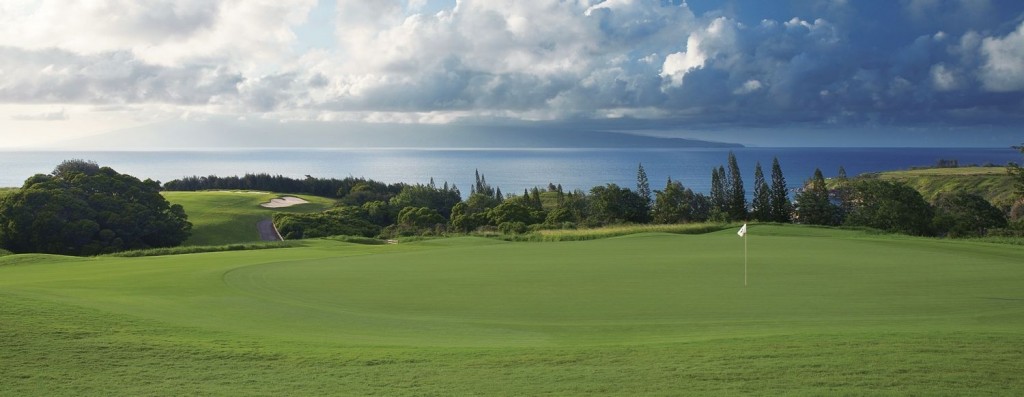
{"x": 511, "y": 169}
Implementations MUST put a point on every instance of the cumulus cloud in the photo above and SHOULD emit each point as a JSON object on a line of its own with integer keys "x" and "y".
{"x": 165, "y": 32}
{"x": 57, "y": 76}
{"x": 1004, "y": 61}
{"x": 838, "y": 62}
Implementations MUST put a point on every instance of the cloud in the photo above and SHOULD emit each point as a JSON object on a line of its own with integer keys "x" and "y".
{"x": 165, "y": 32}
{"x": 830, "y": 62}
{"x": 57, "y": 76}
{"x": 48, "y": 116}
{"x": 1004, "y": 61}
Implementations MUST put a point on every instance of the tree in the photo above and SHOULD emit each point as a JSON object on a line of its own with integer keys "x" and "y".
{"x": 437, "y": 199}
{"x": 962, "y": 214}
{"x": 1017, "y": 172}
{"x": 781, "y": 208}
{"x": 889, "y": 206}
{"x": 700, "y": 207}
{"x": 611, "y": 204}
{"x": 718, "y": 193}
{"x": 481, "y": 187}
{"x": 338, "y": 221}
{"x": 419, "y": 217}
{"x": 813, "y": 206}
{"x": 572, "y": 209}
{"x": 672, "y": 205}
{"x": 84, "y": 209}
{"x": 762, "y": 210}
{"x": 643, "y": 186}
{"x": 511, "y": 211}
{"x": 737, "y": 196}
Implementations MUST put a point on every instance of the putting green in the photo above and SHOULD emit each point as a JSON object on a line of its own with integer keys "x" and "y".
{"x": 635, "y": 289}
{"x": 827, "y": 312}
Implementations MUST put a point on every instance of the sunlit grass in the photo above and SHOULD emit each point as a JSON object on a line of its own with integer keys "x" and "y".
{"x": 222, "y": 217}
{"x": 826, "y": 312}
{"x": 616, "y": 230}
{"x": 992, "y": 183}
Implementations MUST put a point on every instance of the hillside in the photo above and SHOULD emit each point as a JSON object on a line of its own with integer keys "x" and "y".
{"x": 992, "y": 183}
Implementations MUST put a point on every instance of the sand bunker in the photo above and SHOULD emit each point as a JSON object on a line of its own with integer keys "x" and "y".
{"x": 282, "y": 202}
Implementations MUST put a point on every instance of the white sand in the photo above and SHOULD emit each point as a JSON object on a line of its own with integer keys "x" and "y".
{"x": 282, "y": 202}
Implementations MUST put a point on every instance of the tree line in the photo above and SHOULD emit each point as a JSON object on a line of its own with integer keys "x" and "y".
{"x": 858, "y": 202}
{"x": 83, "y": 209}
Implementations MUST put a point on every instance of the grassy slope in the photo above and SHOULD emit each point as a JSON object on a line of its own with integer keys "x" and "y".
{"x": 230, "y": 217}
{"x": 993, "y": 183}
{"x": 827, "y": 312}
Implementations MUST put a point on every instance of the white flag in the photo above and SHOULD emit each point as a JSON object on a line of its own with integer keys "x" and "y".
{"x": 743, "y": 230}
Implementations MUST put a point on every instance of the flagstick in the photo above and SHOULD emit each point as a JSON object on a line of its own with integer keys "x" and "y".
{"x": 744, "y": 259}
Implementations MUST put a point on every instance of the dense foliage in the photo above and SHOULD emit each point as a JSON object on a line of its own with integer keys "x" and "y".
{"x": 361, "y": 189}
{"x": 860, "y": 202}
{"x": 890, "y": 206}
{"x": 345, "y": 220}
{"x": 1017, "y": 172}
{"x": 963, "y": 214}
{"x": 813, "y": 205}
{"x": 84, "y": 209}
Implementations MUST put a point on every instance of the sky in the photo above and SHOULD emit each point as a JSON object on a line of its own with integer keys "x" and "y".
{"x": 782, "y": 73}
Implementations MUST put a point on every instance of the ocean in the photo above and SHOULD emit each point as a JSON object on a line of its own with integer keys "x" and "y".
{"x": 510, "y": 169}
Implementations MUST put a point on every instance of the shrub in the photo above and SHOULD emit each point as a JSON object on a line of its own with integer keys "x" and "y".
{"x": 513, "y": 228}
{"x": 966, "y": 215}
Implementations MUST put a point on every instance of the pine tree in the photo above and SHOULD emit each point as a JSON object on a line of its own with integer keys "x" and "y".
{"x": 812, "y": 203}
{"x": 717, "y": 198}
{"x": 762, "y": 196}
{"x": 781, "y": 208}
{"x": 643, "y": 187}
{"x": 842, "y": 173}
{"x": 737, "y": 196}
{"x": 498, "y": 196}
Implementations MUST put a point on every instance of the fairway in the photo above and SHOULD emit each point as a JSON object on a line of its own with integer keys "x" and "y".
{"x": 229, "y": 217}
{"x": 826, "y": 312}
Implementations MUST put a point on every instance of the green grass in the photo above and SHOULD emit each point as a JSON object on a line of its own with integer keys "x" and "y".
{"x": 220, "y": 218}
{"x": 992, "y": 183}
{"x": 827, "y": 312}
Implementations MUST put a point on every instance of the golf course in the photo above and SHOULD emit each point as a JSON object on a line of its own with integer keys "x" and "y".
{"x": 826, "y": 312}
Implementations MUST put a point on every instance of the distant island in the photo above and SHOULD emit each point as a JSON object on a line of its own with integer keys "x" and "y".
{"x": 259, "y": 134}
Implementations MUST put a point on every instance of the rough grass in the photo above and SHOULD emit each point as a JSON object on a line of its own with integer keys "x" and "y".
{"x": 827, "y": 312}
{"x": 220, "y": 217}
{"x": 615, "y": 231}
{"x": 992, "y": 183}
{"x": 196, "y": 249}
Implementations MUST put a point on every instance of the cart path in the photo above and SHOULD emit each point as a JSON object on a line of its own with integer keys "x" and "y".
{"x": 267, "y": 230}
